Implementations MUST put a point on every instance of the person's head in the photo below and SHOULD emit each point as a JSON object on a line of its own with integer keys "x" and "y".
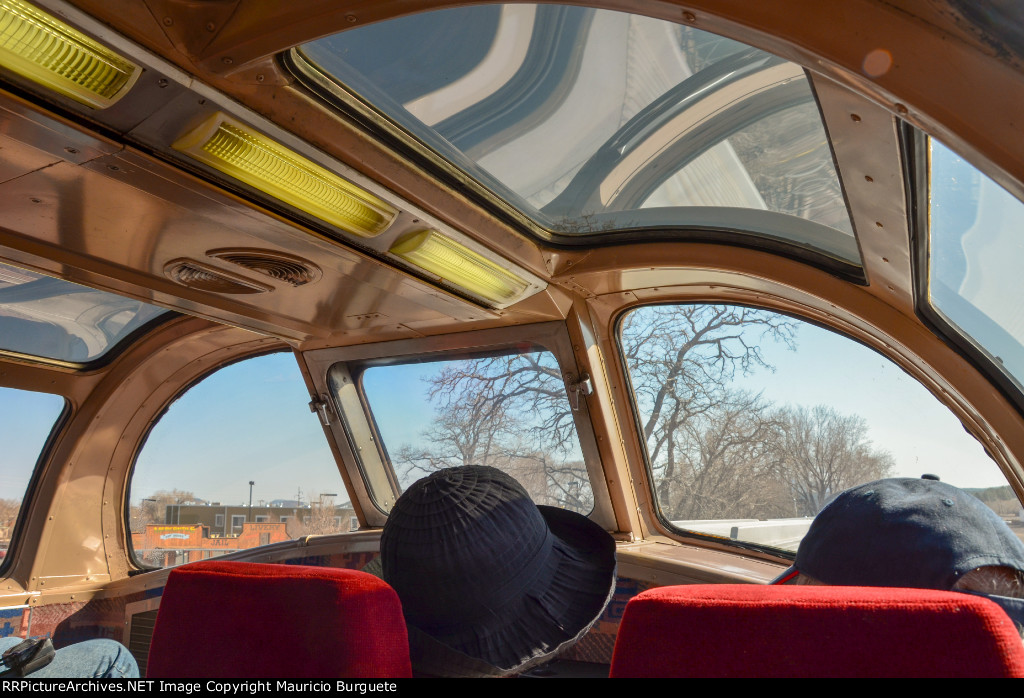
{"x": 904, "y": 532}
{"x": 490, "y": 583}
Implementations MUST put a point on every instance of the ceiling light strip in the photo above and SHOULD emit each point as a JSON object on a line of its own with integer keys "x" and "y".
{"x": 41, "y": 48}
{"x": 460, "y": 266}
{"x": 248, "y": 156}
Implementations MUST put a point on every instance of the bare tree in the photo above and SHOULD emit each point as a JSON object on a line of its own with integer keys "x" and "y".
{"x": 823, "y": 452}
{"x": 153, "y": 509}
{"x": 714, "y": 451}
{"x": 510, "y": 412}
{"x": 468, "y": 426}
{"x": 323, "y": 518}
{"x": 726, "y": 459}
{"x": 681, "y": 359}
{"x": 9, "y": 509}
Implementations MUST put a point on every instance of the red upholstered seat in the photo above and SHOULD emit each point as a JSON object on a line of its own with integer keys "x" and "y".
{"x": 236, "y": 619}
{"x": 783, "y": 631}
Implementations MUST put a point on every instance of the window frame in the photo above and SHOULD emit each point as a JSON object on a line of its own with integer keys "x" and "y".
{"x": 354, "y": 430}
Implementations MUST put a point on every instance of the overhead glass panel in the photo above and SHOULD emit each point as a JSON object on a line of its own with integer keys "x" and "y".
{"x": 589, "y": 121}
{"x": 975, "y": 252}
{"x": 53, "y": 319}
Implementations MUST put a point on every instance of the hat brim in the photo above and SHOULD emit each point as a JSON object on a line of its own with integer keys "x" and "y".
{"x": 544, "y": 621}
{"x": 784, "y": 578}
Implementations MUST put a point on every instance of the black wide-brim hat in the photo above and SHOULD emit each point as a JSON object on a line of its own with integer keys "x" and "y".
{"x": 490, "y": 583}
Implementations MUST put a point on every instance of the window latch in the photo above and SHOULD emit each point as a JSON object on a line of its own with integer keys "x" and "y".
{"x": 322, "y": 406}
{"x": 583, "y": 386}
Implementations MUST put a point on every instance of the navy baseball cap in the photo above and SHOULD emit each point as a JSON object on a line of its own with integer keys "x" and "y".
{"x": 906, "y": 532}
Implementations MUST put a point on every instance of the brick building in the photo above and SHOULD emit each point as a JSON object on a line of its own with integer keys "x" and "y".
{"x": 201, "y": 531}
{"x": 164, "y": 545}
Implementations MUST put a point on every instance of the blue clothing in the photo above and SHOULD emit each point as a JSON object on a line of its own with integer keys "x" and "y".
{"x": 92, "y": 659}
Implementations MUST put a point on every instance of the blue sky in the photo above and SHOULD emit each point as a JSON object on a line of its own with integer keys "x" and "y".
{"x": 25, "y": 421}
{"x": 249, "y": 421}
{"x": 903, "y": 418}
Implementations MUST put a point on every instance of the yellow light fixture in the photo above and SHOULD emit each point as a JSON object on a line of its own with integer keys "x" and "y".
{"x": 240, "y": 152}
{"x": 43, "y": 49}
{"x": 460, "y": 266}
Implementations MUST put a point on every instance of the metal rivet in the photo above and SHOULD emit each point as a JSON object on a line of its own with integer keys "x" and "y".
{"x": 227, "y": 60}
{"x": 259, "y": 78}
{"x": 35, "y": 200}
{"x": 210, "y": 26}
{"x": 689, "y": 17}
{"x": 869, "y": 178}
{"x": 948, "y": 502}
{"x": 855, "y": 117}
{"x": 163, "y": 82}
{"x": 113, "y": 168}
{"x": 168, "y": 21}
{"x": 73, "y": 151}
{"x": 901, "y": 108}
{"x": 879, "y": 224}
{"x": 351, "y": 19}
{"x": 885, "y": 259}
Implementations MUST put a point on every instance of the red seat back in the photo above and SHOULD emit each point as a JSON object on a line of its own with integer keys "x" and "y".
{"x": 235, "y": 619}
{"x": 814, "y": 631}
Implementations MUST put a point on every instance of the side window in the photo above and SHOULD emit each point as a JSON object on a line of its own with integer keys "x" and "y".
{"x": 974, "y": 256}
{"x": 26, "y": 420}
{"x": 753, "y": 421}
{"x": 508, "y": 411}
{"x": 236, "y": 462}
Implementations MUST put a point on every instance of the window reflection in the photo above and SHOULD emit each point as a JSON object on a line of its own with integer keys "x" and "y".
{"x": 975, "y": 254}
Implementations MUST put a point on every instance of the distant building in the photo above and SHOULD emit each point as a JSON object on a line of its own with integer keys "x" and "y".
{"x": 164, "y": 545}
{"x": 227, "y": 520}
{"x": 194, "y": 531}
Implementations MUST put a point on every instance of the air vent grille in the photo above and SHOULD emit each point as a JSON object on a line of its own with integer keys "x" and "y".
{"x": 278, "y": 266}
{"x": 140, "y": 636}
{"x": 201, "y": 277}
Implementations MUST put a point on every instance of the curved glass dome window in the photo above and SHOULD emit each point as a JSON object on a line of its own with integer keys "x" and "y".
{"x": 57, "y": 320}
{"x": 592, "y": 121}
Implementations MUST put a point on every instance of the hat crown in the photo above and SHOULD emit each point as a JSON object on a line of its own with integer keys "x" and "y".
{"x": 460, "y": 544}
{"x": 905, "y": 532}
